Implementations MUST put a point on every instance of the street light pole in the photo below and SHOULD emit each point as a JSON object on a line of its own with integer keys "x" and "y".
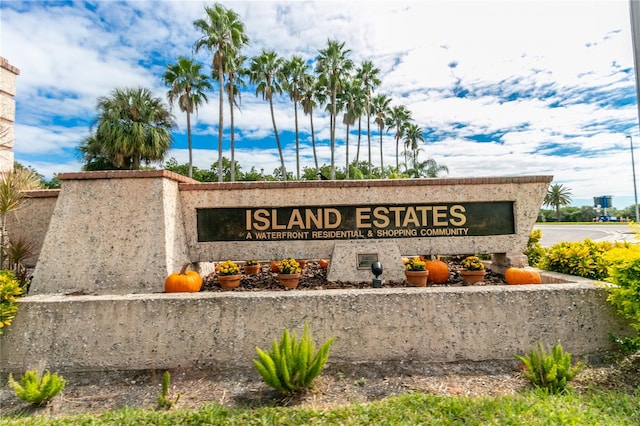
{"x": 633, "y": 167}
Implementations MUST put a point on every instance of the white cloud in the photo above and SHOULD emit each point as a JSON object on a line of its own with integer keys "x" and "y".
{"x": 526, "y": 73}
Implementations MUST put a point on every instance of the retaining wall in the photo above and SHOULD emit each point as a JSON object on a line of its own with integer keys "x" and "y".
{"x": 221, "y": 330}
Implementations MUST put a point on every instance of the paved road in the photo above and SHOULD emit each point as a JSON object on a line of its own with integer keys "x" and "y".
{"x": 553, "y": 234}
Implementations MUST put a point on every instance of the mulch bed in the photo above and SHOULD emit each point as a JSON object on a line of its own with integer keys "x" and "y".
{"x": 314, "y": 277}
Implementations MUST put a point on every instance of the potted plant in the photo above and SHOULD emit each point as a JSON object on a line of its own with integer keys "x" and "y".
{"x": 289, "y": 272}
{"x": 229, "y": 274}
{"x": 416, "y": 272}
{"x": 472, "y": 269}
{"x": 251, "y": 267}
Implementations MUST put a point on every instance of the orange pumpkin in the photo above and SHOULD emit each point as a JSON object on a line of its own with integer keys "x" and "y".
{"x": 515, "y": 276}
{"x": 438, "y": 271}
{"x": 183, "y": 281}
{"x": 323, "y": 263}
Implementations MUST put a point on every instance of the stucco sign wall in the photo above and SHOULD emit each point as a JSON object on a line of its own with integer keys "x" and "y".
{"x": 348, "y": 222}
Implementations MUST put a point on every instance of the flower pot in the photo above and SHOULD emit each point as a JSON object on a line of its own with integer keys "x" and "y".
{"x": 251, "y": 269}
{"x": 472, "y": 277}
{"x": 417, "y": 278}
{"x": 275, "y": 266}
{"x": 302, "y": 262}
{"x": 229, "y": 281}
{"x": 289, "y": 280}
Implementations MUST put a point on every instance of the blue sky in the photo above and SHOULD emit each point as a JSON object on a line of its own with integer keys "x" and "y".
{"x": 500, "y": 88}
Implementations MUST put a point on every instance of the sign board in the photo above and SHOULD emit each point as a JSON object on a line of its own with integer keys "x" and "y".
{"x": 351, "y": 222}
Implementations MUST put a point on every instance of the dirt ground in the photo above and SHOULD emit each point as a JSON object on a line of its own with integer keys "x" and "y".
{"x": 337, "y": 384}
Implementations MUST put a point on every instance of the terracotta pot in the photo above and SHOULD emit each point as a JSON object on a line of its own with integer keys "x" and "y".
{"x": 417, "y": 278}
{"x": 275, "y": 266}
{"x": 289, "y": 280}
{"x": 302, "y": 263}
{"x": 472, "y": 277}
{"x": 251, "y": 269}
{"x": 229, "y": 281}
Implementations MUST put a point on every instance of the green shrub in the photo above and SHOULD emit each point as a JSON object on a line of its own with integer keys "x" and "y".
{"x": 534, "y": 251}
{"x": 164, "y": 400}
{"x": 624, "y": 272}
{"x": 291, "y": 365}
{"x": 35, "y": 389}
{"x": 584, "y": 259}
{"x": 10, "y": 291}
{"x": 549, "y": 371}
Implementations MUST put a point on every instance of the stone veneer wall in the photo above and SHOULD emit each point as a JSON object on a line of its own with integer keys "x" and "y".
{"x": 8, "y": 74}
{"x": 220, "y": 330}
{"x": 125, "y": 231}
{"x": 31, "y": 221}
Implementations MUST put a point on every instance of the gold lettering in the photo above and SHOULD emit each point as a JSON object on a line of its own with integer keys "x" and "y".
{"x": 410, "y": 218}
{"x": 424, "y": 219}
{"x": 439, "y": 213}
{"x": 274, "y": 220}
{"x": 397, "y": 217}
{"x": 261, "y": 217}
{"x": 316, "y": 219}
{"x": 327, "y": 218}
{"x": 295, "y": 220}
{"x": 381, "y": 213}
{"x": 363, "y": 214}
{"x": 458, "y": 216}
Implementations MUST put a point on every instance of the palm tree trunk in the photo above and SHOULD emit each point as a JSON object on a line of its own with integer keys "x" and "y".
{"x": 189, "y": 144}
{"x": 295, "y": 111}
{"x": 381, "y": 160}
{"x": 346, "y": 145}
{"x": 397, "y": 154}
{"x": 359, "y": 137}
{"x": 232, "y": 129}
{"x": 313, "y": 141}
{"x": 369, "y": 136}
{"x": 221, "y": 99}
{"x": 334, "y": 92}
{"x": 275, "y": 129}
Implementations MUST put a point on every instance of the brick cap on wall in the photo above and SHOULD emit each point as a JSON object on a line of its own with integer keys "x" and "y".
{"x": 368, "y": 183}
{"x": 187, "y": 184}
{"x": 125, "y": 174}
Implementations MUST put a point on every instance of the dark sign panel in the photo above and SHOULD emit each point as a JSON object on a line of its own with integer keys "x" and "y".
{"x": 355, "y": 222}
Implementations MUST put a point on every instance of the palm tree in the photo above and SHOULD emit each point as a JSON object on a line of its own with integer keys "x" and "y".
{"x": 347, "y": 102}
{"x": 132, "y": 127}
{"x": 368, "y": 74}
{"x": 558, "y": 195}
{"x": 12, "y": 187}
{"x": 222, "y": 34}
{"x": 234, "y": 68}
{"x": 399, "y": 118}
{"x": 431, "y": 168}
{"x": 412, "y": 137}
{"x": 333, "y": 65}
{"x": 266, "y": 73}
{"x": 312, "y": 93}
{"x": 294, "y": 71}
{"x": 187, "y": 86}
{"x": 380, "y": 107}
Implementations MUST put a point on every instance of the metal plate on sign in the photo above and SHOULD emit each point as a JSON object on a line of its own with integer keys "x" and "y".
{"x": 366, "y": 259}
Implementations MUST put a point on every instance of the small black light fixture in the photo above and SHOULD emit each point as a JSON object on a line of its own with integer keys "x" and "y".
{"x": 376, "y": 269}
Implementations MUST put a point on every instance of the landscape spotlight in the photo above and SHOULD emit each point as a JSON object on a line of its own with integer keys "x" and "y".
{"x": 376, "y": 268}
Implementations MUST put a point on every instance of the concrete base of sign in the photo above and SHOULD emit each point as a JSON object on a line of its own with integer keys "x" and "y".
{"x": 345, "y": 266}
{"x": 214, "y": 329}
